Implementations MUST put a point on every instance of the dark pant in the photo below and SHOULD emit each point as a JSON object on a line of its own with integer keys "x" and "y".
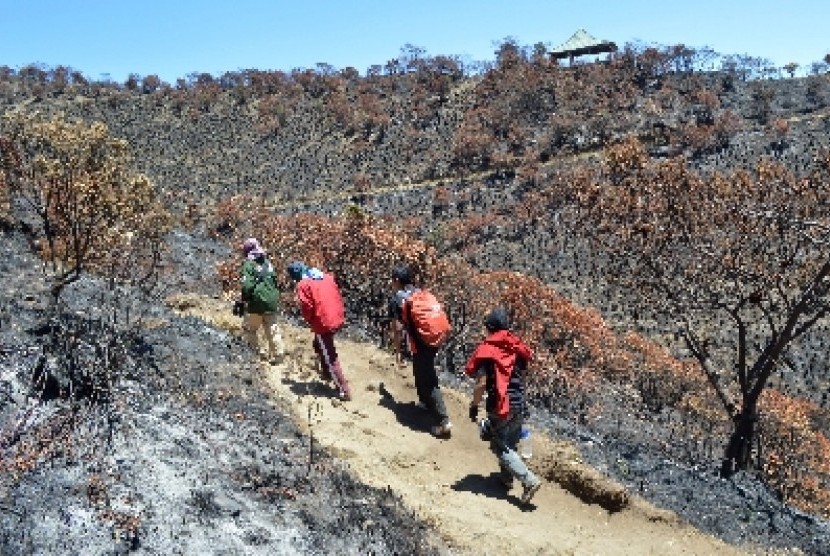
{"x": 329, "y": 361}
{"x": 426, "y": 383}
{"x": 506, "y": 434}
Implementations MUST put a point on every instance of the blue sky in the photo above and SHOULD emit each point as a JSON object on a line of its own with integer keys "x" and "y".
{"x": 174, "y": 38}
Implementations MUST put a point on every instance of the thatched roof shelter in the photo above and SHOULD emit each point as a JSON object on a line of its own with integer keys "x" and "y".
{"x": 579, "y": 44}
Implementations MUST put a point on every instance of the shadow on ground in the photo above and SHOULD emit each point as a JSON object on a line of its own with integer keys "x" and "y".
{"x": 407, "y": 414}
{"x": 489, "y": 486}
{"x": 313, "y": 387}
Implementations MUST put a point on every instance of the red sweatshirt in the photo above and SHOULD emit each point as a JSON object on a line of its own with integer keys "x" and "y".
{"x": 501, "y": 347}
{"x": 321, "y": 304}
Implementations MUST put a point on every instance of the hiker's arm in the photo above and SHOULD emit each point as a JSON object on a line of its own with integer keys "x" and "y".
{"x": 305, "y": 300}
{"x": 478, "y": 390}
{"x": 395, "y": 312}
{"x": 395, "y": 326}
{"x": 478, "y": 393}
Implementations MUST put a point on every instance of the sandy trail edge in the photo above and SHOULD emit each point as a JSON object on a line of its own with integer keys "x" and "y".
{"x": 383, "y": 437}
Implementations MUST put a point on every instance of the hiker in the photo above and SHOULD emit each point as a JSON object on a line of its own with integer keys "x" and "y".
{"x": 322, "y": 308}
{"x": 498, "y": 365}
{"x": 259, "y": 300}
{"x": 423, "y": 354}
{"x": 397, "y": 332}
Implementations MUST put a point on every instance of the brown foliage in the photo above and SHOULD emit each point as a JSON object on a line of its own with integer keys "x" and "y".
{"x": 575, "y": 350}
{"x": 94, "y": 212}
{"x": 272, "y": 112}
{"x": 796, "y": 455}
{"x": 741, "y": 252}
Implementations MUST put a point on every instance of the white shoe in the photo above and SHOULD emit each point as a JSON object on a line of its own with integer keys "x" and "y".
{"x": 442, "y": 431}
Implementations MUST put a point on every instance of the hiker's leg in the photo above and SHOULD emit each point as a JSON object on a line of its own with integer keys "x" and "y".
{"x": 405, "y": 347}
{"x": 505, "y": 476}
{"x": 439, "y": 409}
{"x": 426, "y": 383}
{"x": 329, "y": 351}
{"x": 322, "y": 359}
{"x": 505, "y": 441}
{"x": 420, "y": 362}
{"x": 272, "y": 335}
{"x": 250, "y": 325}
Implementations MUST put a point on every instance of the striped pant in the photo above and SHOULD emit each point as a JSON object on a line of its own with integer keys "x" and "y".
{"x": 329, "y": 361}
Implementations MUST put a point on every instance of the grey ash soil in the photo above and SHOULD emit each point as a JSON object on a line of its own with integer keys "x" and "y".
{"x": 198, "y": 456}
{"x": 208, "y": 464}
{"x": 739, "y": 510}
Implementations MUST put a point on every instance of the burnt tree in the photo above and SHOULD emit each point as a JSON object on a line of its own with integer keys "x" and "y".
{"x": 740, "y": 263}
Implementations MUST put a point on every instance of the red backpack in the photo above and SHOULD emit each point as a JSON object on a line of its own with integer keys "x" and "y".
{"x": 426, "y": 318}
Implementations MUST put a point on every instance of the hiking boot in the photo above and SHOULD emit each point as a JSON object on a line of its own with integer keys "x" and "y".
{"x": 344, "y": 396}
{"x": 442, "y": 431}
{"x": 529, "y": 491}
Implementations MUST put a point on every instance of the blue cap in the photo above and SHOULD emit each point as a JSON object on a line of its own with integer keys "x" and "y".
{"x": 296, "y": 270}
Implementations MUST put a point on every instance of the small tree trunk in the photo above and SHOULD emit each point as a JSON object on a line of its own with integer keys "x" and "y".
{"x": 737, "y": 456}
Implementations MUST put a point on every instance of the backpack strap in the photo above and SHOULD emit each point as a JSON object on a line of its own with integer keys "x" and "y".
{"x": 406, "y": 305}
{"x": 406, "y": 314}
{"x": 264, "y": 271}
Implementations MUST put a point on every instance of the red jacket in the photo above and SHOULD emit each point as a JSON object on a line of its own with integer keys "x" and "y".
{"x": 321, "y": 304}
{"x": 501, "y": 347}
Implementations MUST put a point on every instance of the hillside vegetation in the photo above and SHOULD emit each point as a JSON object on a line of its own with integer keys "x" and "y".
{"x": 656, "y": 224}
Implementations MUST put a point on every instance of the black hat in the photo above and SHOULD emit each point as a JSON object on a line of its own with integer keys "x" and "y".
{"x": 497, "y": 320}
{"x": 296, "y": 270}
{"x": 401, "y": 274}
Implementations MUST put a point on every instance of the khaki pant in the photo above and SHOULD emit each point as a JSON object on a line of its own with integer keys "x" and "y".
{"x": 268, "y": 322}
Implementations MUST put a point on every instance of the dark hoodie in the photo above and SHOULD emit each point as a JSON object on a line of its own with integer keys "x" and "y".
{"x": 501, "y": 351}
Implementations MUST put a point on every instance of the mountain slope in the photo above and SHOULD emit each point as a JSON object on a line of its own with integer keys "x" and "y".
{"x": 383, "y": 438}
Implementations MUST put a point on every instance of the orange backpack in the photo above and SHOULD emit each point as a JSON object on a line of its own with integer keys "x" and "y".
{"x": 426, "y": 318}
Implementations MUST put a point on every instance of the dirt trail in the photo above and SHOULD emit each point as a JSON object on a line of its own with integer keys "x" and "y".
{"x": 383, "y": 436}
{"x": 346, "y": 195}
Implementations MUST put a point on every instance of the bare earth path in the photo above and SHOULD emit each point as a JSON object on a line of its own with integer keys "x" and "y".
{"x": 384, "y": 438}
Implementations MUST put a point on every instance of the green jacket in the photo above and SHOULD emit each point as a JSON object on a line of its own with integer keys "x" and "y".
{"x": 259, "y": 287}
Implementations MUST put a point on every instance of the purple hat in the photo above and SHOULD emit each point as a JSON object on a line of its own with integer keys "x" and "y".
{"x": 252, "y": 248}
{"x": 256, "y": 253}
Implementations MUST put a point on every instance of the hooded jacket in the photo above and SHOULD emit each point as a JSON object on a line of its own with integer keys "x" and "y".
{"x": 501, "y": 348}
{"x": 320, "y": 302}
